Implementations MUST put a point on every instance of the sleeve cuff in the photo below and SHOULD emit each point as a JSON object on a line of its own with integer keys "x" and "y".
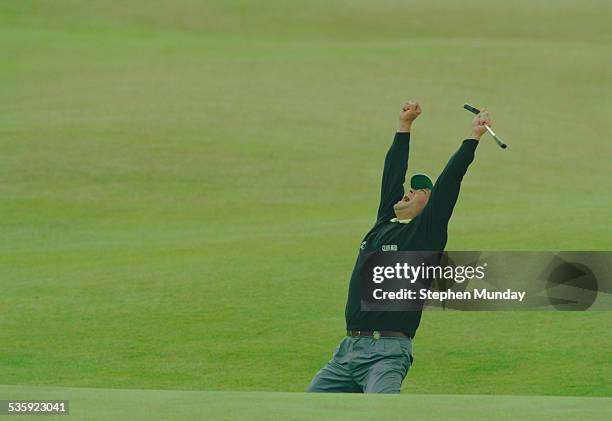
{"x": 472, "y": 143}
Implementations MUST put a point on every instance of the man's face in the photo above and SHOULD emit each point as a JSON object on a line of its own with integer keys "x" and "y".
{"x": 412, "y": 203}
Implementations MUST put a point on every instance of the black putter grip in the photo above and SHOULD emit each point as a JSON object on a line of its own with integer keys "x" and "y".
{"x": 471, "y": 109}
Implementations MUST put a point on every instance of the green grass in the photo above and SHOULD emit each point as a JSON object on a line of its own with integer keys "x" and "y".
{"x": 185, "y": 186}
{"x": 105, "y": 404}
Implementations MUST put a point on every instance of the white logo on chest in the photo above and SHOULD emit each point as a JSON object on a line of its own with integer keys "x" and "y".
{"x": 389, "y": 247}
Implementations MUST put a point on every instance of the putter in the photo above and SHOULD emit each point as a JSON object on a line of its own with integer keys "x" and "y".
{"x": 491, "y": 132}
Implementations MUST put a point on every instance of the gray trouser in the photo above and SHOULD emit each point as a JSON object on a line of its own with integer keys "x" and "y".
{"x": 365, "y": 365}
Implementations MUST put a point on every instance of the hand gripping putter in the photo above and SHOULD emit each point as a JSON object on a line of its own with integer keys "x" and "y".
{"x": 491, "y": 132}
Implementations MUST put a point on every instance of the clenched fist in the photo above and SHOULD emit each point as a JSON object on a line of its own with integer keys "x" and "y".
{"x": 478, "y": 124}
{"x": 410, "y": 111}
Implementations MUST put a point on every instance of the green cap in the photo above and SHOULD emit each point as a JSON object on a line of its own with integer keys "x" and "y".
{"x": 421, "y": 181}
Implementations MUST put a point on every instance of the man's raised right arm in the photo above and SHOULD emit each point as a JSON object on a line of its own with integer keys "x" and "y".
{"x": 396, "y": 162}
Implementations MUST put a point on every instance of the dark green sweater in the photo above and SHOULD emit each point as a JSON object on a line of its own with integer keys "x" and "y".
{"x": 426, "y": 232}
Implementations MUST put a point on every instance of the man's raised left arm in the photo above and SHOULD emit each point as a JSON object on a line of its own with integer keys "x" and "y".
{"x": 446, "y": 190}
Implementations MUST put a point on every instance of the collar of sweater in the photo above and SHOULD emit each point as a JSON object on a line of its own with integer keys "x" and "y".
{"x": 401, "y": 221}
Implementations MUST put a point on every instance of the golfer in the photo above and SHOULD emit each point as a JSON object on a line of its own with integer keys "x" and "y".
{"x": 376, "y": 354}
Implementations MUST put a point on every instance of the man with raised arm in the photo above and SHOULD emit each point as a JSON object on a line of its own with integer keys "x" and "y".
{"x": 376, "y": 354}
